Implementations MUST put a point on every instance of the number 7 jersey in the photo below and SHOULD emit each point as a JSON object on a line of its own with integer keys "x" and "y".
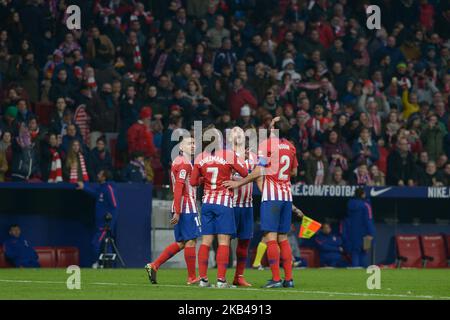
{"x": 281, "y": 160}
{"x": 215, "y": 169}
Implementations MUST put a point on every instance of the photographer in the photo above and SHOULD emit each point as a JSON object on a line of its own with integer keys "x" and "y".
{"x": 105, "y": 209}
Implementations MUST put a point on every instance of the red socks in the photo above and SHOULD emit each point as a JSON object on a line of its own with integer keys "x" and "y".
{"x": 203, "y": 255}
{"x": 286, "y": 258}
{"x": 190, "y": 258}
{"x": 241, "y": 257}
{"x": 273, "y": 255}
{"x": 222, "y": 259}
{"x": 168, "y": 253}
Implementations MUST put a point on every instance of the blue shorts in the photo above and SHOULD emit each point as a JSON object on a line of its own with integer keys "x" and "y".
{"x": 243, "y": 218}
{"x": 187, "y": 228}
{"x": 276, "y": 216}
{"x": 217, "y": 219}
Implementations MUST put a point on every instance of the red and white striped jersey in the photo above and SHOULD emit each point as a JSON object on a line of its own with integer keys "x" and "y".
{"x": 215, "y": 169}
{"x": 281, "y": 160}
{"x": 243, "y": 195}
{"x": 184, "y": 194}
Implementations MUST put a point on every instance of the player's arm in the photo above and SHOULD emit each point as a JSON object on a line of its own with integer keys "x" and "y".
{"x": 196, "y": 176}
{"x": 294, "y": 169}
{"x": 239, "y": 167}
{"x": 255, "y": 174}
{"x": 297, "y": 211}
{"x": 177, "y": 195}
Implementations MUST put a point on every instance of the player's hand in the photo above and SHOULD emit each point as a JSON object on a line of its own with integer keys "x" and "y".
{"x": 274, "y": 120}
{"x": 298, "y": 212}
{"x": 230, "y": 184}
{"x": 80, "y": 185}
{"x": 175, "y": 219}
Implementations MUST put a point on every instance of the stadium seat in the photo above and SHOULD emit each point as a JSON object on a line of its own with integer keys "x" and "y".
{"x": 447, "y": 240}
{"x": 4, "y": 263}
{"x": 47, "y": 256}
{"x": 67, "y": 256}
{"x": 408, "y": 251}
{"x": 311, "y": 256}
{"x": 434, "y": 252}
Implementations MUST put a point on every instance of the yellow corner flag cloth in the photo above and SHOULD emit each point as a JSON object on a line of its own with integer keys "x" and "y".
{"x": 308, "y": 228}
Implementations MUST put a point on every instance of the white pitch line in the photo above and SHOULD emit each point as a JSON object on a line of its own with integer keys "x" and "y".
{"x": 329, "y": 293}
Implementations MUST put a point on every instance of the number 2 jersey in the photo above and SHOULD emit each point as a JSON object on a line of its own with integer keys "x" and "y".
{"x": 215, "y": 169}
{"x": 281, "y": 159}
{"x": 184, "y": 200}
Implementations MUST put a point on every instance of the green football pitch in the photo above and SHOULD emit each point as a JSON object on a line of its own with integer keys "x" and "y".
{"x": 309, "y": 284}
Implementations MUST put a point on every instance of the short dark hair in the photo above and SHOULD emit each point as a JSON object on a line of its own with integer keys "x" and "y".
{"x": 359, "y": 192}
{"x": 107, "y": 174}
{"x": 136, "y": 155}
{"x": 14, "y": 225}
{"x": 101, "y": 138}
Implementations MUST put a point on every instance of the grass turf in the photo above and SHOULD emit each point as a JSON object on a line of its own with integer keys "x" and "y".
{"x": 309, "y": 284}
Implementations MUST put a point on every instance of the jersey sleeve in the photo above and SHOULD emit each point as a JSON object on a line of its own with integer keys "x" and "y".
{"x": 180, "y": 175}
{"x": 239, "y": 166}
{"x": 196, "y": 174}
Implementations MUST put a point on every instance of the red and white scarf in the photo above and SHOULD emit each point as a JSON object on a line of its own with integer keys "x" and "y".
{"x": 55, "y": 169}
{"x": 320, "y": 173}
{"x": 74, "y": 170}
{"x": 137, "y": 59}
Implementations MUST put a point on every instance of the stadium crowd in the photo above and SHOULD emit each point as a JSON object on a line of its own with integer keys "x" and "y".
{"x": 366, "y": 107}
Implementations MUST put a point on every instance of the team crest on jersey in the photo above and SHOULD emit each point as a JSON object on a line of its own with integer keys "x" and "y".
{"x": 182, "y": 174}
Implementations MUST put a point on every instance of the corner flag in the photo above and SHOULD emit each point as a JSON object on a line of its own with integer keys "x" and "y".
{"x": 308, "y": 228}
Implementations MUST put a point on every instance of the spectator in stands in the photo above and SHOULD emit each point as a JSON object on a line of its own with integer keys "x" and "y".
{"x": 135, "y": 170}
{"x": 337, "y": 151}
{"x": 72, "y": 134}
{"x": 6, "y": 149}
{"x": 99, "y": 48}
{"x": 51, "y": 159}
{"x": 446, "y": 175}
{"x": 57, "y": 115}
{"x": 240, "y": 96}
{"x": 23, "y": 114}
{"x": 337, "y": 177}
{"x": 103, "y": 113}
{"x": 433, "y": 138}
{"x": 100, "y": 158}
{"x": 9, "y": 122}
{"x": 361, "y": 175}
{"x": 364, "y": 148}
{"x": 19, "y": 251}
{"x": 129, "y": 109}
{"x": 61, "y": 87}
{"x": 431, "y": 177}
{"x": 358, "y": 229}
{"x": 140, "y": 136}
{"x": 76, "y": 165}
{"x": 330, "y": 247}
{"x": 25, "y": 163}
{"x": 377, "y": 176}
{"x": 317, "y": 167}
{"x": 401, "y": 168}
{"x": 218, "y": 33}
{"x": 3, "y": 165}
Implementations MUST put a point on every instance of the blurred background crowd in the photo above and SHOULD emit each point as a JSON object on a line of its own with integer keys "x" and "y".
{"x": 365, "y": 107}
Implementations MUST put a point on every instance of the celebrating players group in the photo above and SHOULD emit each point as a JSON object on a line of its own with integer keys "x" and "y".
{"x": 227, "y": 176}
